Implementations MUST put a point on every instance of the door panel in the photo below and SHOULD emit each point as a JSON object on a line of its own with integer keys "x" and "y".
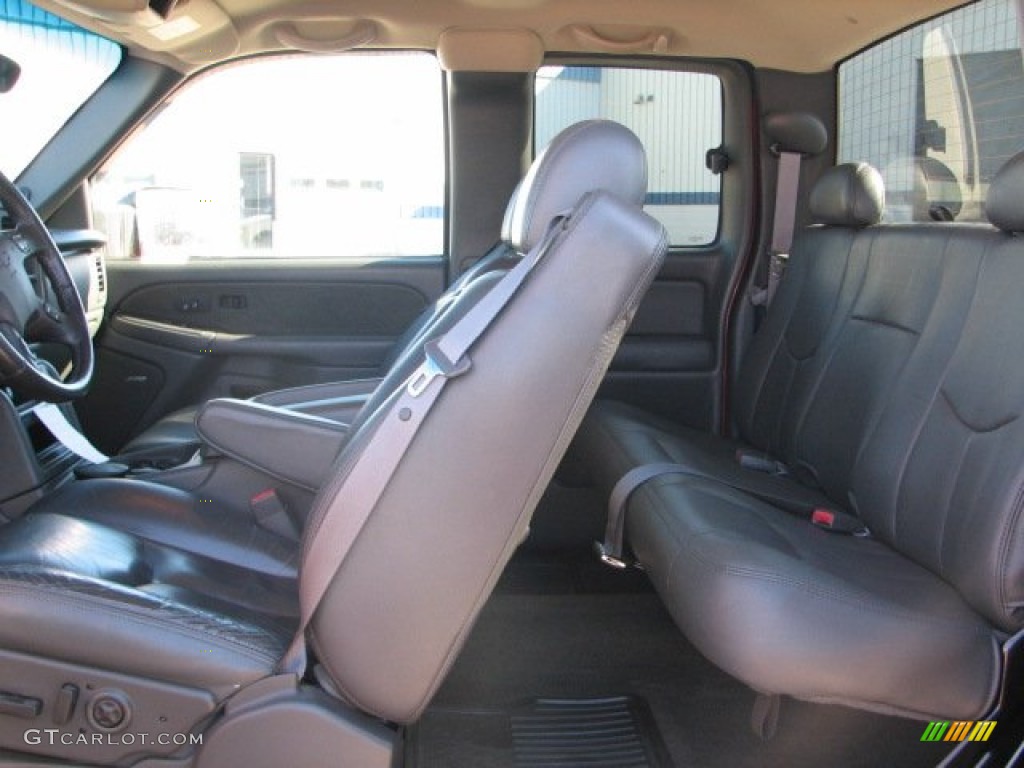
{"x": 668, "y": 359}
{"x": 178, "y": 335}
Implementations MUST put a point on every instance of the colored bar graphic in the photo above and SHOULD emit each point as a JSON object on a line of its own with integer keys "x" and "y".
{"x": 958, "y": 730}
{"x": 982, "y": 730}
{"x": 935, "y": 731}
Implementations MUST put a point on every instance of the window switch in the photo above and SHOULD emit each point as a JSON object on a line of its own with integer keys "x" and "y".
{"x": 24, "y": 707}
{"x": 233, "y": 301}
{"x": 193, "y": 304}
{"x": 64, "y": 707}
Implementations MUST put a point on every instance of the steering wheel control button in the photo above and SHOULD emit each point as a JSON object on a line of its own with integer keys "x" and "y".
{"x": 64, "y": 706}
{"x": 23, "y": 243}
{"x": 109, "y": 710}
{"x": 15, "y": 705}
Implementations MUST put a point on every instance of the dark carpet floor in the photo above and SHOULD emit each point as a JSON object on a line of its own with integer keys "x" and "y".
{"x": 566, "y": 628}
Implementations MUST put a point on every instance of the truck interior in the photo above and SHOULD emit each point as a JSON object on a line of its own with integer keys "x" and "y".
{"x": 511, "y": 383}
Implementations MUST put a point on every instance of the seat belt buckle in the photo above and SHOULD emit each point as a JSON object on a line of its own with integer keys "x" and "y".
{"x": 436, "y": 363}
{"x": 777, "y": 263}
{"x": 272, "y": 515}
{"x": 608, "y": 558}
{"x": 823, "y": 518}
{"x": 838, "y": 522}
{"x": 760, "y": 462}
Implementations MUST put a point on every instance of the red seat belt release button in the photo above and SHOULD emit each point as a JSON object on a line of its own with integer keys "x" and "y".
{"x": 823, "y": 517}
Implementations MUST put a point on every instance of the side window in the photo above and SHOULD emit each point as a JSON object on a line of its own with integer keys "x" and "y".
{"x": 678, "y": 117}
{"x": 937, "y": 109}
{"x": 287, "y": 157}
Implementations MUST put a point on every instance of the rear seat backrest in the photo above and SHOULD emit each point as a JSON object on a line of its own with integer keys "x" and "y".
{"x": 909, "y": 309}
{"x": 942, "y": 477}
{"x": 782, "y": 367}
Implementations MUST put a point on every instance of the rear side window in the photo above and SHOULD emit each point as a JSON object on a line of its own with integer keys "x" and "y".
{"x": 938, "y": 109}
{"x": 338, "y": 157}
{"x": 678, "y": 117}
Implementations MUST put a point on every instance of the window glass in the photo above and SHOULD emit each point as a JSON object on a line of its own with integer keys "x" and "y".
{"x": 61, "y": 66}
{"x": 678, "y": 117}
{"x": 289, "y": 157}
{"x": 937, "y": 109}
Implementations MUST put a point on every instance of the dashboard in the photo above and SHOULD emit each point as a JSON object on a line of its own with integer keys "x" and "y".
{"x": 83, "y": 252}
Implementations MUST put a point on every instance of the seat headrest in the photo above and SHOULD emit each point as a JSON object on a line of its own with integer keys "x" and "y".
{"x": 1003, "y": 206}
{"x": 942, "y": 200}
{"x": 588, "y": 156}
{"x": 921, "y": 189}
{"x": 848, "y": 195}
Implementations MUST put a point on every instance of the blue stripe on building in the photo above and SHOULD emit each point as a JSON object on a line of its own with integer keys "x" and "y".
{"x": 580, "y": 74}
{"x": 682, "y": 198}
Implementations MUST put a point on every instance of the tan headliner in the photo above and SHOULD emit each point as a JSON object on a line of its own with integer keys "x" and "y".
{"x": 798, "y": 35}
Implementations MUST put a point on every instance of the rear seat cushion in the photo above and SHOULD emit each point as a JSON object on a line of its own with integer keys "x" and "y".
{"x": 786, "y": 607}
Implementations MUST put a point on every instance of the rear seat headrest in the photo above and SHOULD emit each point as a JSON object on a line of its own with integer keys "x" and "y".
{"x": 1004, "y": 206}
{"x": 849, "y": 195}
{"x": 588, "y": 156}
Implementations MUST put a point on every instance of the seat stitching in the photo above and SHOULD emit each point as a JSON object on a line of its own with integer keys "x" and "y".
{"x": 1005, "y": 538}
{"x": 885, "y": 324}
{"x": 947, "y": 508}
{"x": 919, "y": 428}
{"x": 826, "y": 363}
{"x": 976, "y": 429}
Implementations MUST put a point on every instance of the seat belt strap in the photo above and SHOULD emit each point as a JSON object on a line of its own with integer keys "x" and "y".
{"x": 787, "y": 187}
{"x": 610, "y": 550}
{"x": 356, "y": 493}
{"x": 67, "y": 434}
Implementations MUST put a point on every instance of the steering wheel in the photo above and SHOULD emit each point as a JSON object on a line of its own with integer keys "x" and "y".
{"x": 26, "y": 312}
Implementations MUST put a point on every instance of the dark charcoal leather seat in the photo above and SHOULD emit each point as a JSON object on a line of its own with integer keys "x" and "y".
{"x": 559, "y": 177}
{"x": 147, "y": 634}
{"x": 782, "y": 370}
{"x": 889, "y": 378}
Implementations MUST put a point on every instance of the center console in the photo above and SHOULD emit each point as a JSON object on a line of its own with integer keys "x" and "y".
{"x": 34, "y": 461}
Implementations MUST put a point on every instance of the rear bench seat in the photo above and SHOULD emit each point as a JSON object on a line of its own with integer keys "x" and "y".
{"x": 889, "y": 380}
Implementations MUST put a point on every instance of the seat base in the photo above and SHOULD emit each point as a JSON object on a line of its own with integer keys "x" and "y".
{"x": 276, "y": 722}
{"x": 76, "y": 704}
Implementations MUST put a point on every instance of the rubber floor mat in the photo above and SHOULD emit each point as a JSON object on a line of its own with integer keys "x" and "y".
{"x": 573, "y": 733}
